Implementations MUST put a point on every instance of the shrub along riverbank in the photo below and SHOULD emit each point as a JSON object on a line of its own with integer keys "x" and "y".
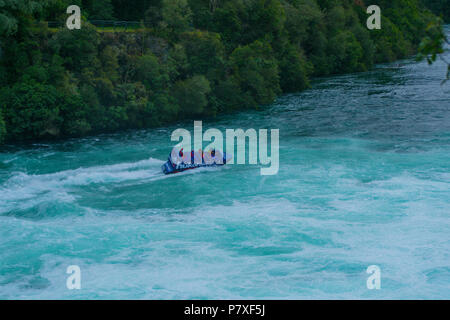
{"x": 195, "y": 59}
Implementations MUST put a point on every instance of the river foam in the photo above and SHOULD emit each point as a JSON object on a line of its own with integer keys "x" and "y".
{"x": 364, "y": 179}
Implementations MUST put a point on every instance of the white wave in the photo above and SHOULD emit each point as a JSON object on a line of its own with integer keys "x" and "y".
{"x": 22, "y": 186}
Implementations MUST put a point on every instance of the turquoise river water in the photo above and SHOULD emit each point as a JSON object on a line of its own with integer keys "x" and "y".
{"x": 364, "y": 180}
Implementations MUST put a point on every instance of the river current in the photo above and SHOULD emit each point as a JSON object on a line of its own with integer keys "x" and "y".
{"x": 364, "y": 180}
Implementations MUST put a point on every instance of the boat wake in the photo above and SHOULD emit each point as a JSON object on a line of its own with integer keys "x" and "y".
{"x": 22, "y": 187}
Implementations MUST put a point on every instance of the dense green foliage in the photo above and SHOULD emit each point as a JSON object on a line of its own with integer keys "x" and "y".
{"x": 439, "y": 7}
{"x": 195, "y": 58}
{"x": 2, "y": 128}
{"x": 433, "y": 45}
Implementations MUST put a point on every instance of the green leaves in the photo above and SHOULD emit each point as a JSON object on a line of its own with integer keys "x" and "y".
{"x": 31, "y": 111}
{"x": 177, "y": 16}
{"x": 432, "y": 45}
{"x": 191, "y": 95}
{"x": 78, "y": 48}
{"x": 205, "y": 53}
{"x": 255, "y": 71}
{"x": 8, "y": 25}
{"x": 151, "y": 73}
{"x": 294, "y": 71}
{"x": 14, "y": 12}
{"x": 195, "y": 58}
{"x": 2, "y": 128}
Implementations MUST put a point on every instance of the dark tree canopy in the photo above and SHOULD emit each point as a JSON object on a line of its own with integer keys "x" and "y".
{"x": 190, "y": 58}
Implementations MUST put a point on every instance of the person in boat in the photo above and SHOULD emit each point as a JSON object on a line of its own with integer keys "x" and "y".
{"x": 211, "y": 157}
{"x": 177, "y": 157}
{"x": 214, "y": 157}
{"x": 180, "y": 156}
{"x": 218, "y": 157}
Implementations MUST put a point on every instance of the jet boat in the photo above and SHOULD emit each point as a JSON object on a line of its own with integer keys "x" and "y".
{"x": 178, "y": 163}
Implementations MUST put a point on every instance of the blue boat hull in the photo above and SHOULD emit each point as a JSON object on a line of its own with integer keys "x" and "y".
{"x": 168, "y": 167}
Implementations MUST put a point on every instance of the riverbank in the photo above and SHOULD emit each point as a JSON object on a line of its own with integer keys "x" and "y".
{"x": 203, "y": 64}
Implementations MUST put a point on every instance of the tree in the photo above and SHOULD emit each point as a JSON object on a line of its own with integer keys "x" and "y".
{"x": 15, "y": 14}
{"x": 75, "y": 115}
{"x": 101, "y": 10}
{"x": 2, "y": 128}
{"x": 294, "y": 70}
{"x": 204, "y": 52}
{"x": 152, "y": 73}
{"x": 243, "y": 22}
{"x": 255, "y": 72}
{"x": 345, "y": 53}
{"x": 31, "y": 111}
{"x": 177, "y": 16}
{"x": 439, "y": 7}
{"x": 202, "y": 12}
{"x": 124, "y": 10}
{"x": 191, "y": 95}
{"x": 78, "y": 48}
{"x": 432, "y": 46}
{"x": 196, "y": 57}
